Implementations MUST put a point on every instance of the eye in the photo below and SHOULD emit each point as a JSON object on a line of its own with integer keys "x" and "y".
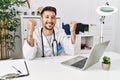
{"x": 47, "y": 17}
{"x": 53, "y": 17}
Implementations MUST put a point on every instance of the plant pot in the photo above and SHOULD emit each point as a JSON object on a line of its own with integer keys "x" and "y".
{"x": 105, "y": 66}
{"x": 38, "y": 13}
{"x": 33, "y": 13}
{"x": 4, "y": 46}
{"x": 25, "y": 13}
{"x": 4, "y": 53}
{"x": 9, "y": 22}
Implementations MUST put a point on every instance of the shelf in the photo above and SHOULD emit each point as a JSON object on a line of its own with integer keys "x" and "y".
{"x": 33, "y": 16}
{"x": 84, "y": 43}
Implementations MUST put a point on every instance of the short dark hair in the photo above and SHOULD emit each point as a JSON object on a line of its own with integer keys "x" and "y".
{"x": 48, "y": 8}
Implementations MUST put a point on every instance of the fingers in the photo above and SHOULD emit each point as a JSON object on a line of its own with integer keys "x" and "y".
{"x": 73, "y": 22}
{"x": 31, "y": 25}
{"x": 31, "y": 21}
{"x": 73, "y": 25}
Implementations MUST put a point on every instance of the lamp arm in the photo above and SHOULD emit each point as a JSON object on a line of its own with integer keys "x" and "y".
{"x": 28, "y": 3}
{"x": 102, "y": 19}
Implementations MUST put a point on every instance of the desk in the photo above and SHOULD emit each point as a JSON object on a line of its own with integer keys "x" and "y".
{"x": 50, "y": 68}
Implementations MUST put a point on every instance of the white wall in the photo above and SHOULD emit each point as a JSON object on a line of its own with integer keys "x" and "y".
{"x": 117, "y": 35}
{"x": 78, "y": 10}
{"x": 81, "y": 11}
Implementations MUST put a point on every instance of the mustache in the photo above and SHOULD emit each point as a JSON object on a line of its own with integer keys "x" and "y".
{"x": 49, "y": 23}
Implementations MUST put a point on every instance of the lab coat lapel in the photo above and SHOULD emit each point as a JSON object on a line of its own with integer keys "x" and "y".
{"x": 52, "y": 40}
{"x": 47, "y": 49}
{"x": 45, "y": 41}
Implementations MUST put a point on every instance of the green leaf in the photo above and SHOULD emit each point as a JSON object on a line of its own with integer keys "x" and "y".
{"x": 106, "y": 60}
{"x": 11, "y": 14}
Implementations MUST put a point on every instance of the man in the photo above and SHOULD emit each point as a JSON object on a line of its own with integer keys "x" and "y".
{"x": 48, "y": 40}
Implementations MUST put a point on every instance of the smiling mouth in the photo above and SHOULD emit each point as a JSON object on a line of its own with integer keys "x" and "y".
{"x": 50, "y": 23}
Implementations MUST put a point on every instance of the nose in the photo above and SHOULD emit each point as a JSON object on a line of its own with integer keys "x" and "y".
{"x": 50, "y": 20}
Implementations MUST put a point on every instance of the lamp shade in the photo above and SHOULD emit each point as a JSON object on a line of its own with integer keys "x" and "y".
{"x": 106, "y": 10}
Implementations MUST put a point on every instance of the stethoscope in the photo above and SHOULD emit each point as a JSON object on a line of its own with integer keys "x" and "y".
{"x": 54, "y": 40}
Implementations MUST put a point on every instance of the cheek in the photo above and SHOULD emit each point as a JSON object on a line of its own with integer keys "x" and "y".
{"x": 43, "y": 21}
{"x": 54, "y": 21}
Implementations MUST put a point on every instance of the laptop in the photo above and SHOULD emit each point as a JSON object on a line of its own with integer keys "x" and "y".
{"x": 83, "y": 62}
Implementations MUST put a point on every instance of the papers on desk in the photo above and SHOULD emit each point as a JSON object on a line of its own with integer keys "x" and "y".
{"x": 12, "y": 66}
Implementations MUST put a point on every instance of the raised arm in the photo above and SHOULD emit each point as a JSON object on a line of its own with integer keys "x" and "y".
{"x": 73, "y": 25}
{"x": 31, "y": 28}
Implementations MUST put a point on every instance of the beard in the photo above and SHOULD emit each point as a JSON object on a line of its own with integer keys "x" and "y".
{"x": 49, "y": 25}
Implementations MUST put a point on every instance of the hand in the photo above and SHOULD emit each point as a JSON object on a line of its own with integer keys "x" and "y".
{"x": 73, "y": 25}
{"x": 31, "y": 25}
{"x": 31, "y": 28}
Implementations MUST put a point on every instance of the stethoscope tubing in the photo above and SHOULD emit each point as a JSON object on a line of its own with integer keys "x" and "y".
{"x": 54, "y": 40}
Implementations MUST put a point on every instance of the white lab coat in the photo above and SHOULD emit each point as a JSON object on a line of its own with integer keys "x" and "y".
{"x": 36, "y": 51}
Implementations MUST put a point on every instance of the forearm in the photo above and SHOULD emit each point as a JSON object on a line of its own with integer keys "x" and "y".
{"x": 31, "y": 27}
{"x": 30, "y": 39}
{"x": 73, "y": 37}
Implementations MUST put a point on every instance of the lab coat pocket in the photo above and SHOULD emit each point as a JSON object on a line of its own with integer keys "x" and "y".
{"x": 59, "y": 47}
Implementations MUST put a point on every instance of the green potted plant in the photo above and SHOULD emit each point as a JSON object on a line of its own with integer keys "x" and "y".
{"x": 106, "y": 63}
{"x": 39, "y": 10}
{"x": 9, "y": 22}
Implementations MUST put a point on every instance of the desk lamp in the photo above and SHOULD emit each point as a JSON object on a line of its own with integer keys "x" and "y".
{"x": 104, "y": 11}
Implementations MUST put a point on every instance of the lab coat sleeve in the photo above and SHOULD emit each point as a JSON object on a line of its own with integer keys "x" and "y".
{"x": 69, "y": 48}
{"x": 28, "y": 51}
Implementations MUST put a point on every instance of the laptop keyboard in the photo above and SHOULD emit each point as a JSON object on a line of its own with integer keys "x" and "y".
{"x": 80, "y": 64}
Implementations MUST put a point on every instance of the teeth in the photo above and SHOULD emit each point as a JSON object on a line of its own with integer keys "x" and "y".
{"x": 49, "y": 23}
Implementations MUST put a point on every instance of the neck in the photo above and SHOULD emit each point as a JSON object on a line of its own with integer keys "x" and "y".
{"x": 47, "y": 32}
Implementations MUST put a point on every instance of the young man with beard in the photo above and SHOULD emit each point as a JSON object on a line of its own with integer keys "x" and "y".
{"x": 48, "y": 40}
